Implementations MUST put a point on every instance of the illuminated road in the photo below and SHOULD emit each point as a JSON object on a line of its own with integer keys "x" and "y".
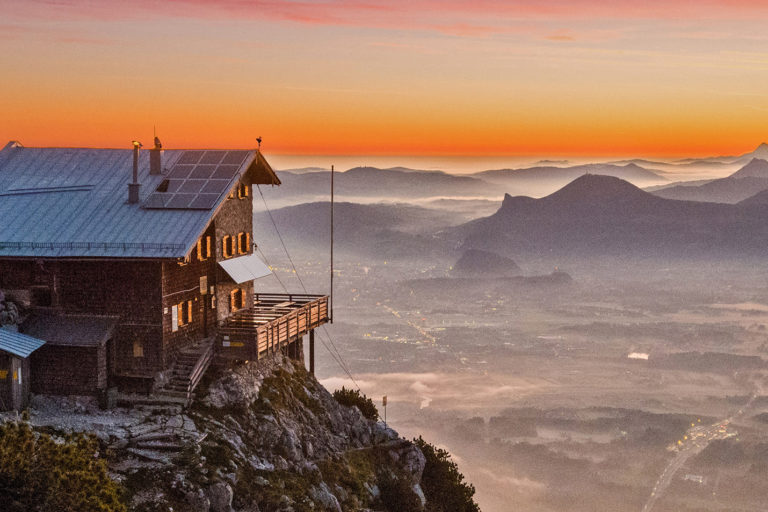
{"x": 694, "y": 441}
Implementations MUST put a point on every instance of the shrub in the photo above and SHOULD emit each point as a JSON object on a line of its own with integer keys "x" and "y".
{"x": 443, "y": 484}
{"x": 350, "y": 397}
{"x": 38, "y": 474}
{"x": 397, "y": 494}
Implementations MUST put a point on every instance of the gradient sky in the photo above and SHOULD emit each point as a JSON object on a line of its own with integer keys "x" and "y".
{"x": 487, "y": 77}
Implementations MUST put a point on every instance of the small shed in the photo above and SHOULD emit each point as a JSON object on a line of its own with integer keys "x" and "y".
{"x": 75, "y": 358}
{"x": 15, "y": 349}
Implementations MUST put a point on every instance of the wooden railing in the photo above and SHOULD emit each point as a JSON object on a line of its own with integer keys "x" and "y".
{"x": 274, "y": 321}
{"x": 199, "y": 369}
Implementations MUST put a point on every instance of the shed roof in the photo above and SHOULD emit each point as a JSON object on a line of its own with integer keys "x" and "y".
{"x": 72, "y": 202}
{"x": 20, "y": 345}
{"x": 71, "y": 330}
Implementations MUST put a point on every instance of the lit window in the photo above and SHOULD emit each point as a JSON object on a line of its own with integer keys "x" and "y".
{"x": 228, "y": 246}
{"x": 242, "y": 191}
{"x": 204, "y": 248}
{"x": 185, "y": 313}
{"x": 138, "y": 349}
{"x": 243, "y": 242}
{"x": 236, "y": 299}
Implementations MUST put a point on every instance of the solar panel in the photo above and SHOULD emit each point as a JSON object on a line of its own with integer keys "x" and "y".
{"x": 190, "y": 157}
{"x": 235, "y": 158}
{"x": 204, "y": 201}
{"x": 181, "y": 171}
{"x": 203, "y": 172}
{"x": 197, "y": 180}
{"x": 215, "y": 187}
{"x": 226, "y": 172}
{"x": 213, "y": 157}
{"x": 192, "y": 186}
{"x": 180, "y": 201}
{"x": 156, "y": 200}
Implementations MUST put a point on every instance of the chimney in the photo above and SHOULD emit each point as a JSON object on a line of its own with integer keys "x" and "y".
{"x": 156, "y": 158}
{"x": 133, "y": 188}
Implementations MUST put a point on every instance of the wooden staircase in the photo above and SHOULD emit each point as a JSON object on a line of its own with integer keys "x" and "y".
{"x": 191, "y": 364}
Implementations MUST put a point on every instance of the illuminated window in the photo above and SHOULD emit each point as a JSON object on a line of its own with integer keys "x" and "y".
{"x": 236, "y": 299}
{"x": 243, "y": 242}
{"x": 138, "y": 349}
{"x": 228, "y": 246}
{"x": 242, "y": 191}
{"x": 204, "y": 248}
{"x": 185, "y": 313}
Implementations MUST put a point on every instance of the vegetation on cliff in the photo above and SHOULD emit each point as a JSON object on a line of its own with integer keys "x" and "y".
{"x": 40, "y": 474}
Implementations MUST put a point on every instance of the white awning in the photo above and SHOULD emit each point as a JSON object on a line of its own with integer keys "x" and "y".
{"x": 245, "y": 268}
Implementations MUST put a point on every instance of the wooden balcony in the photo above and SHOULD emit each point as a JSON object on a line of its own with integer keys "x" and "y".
{"x": 274, "y": 321}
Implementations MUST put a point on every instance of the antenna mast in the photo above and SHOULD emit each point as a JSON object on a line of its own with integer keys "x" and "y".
{"x": 331, "y": 297}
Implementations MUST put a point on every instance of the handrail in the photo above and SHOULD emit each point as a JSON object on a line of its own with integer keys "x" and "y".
{"x": 199, "y": 369}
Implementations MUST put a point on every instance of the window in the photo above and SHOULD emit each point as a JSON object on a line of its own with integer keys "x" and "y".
{"x": 243, "y": 242}
{"x": 204, "y": 248}
{"x": 185, "y": 313}
{"x": 228, "y": 246}
{"x": 242, "y": 191}
{"x": 236, "y": 299}
{"x": 138, "y": 349}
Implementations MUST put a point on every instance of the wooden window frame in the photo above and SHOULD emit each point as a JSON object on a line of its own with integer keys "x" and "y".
{"x": 204, "y": 250}
{"x": 243, "y": 243}
{"x": 235, "y": 296}
{"x": 185, "y": 313}
{"x": 228, "y": 240}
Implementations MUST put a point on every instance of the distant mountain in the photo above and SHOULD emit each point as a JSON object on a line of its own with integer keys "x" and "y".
{"x": 546, "y": 179}
{"x": 382, "y": 231}
{"x": 761, "y": 152}
{"x": 396, "y": 182}
{"x": 756, "y": 168}
{"x": 759, "y": 199}
{"x": 744, "y": 183}
{"x": 475, "y": 262}
{"x": 602, "y": 215}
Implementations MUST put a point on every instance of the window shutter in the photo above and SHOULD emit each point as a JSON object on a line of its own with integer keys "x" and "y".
{"x": 175, "y": 318}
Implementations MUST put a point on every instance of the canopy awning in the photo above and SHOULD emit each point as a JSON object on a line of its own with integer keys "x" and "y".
{"x": 245, "y": 268}
{"x": 18, "y": 344}
{"x": 71, "y": 330}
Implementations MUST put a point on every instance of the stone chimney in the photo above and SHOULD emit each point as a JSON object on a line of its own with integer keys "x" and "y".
{"x": 156, "y": 158}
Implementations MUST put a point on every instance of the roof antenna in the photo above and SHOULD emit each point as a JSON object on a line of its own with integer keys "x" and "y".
{"x": 258, "y": 140}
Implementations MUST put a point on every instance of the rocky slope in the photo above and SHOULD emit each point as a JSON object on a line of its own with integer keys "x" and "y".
{"x": 260, "y": 437}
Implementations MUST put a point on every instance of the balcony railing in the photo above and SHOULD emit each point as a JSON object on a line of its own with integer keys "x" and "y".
{"x": 274, "y": 321}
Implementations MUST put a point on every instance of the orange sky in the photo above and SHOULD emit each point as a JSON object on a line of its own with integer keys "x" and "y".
{"x": 577, "y": 77}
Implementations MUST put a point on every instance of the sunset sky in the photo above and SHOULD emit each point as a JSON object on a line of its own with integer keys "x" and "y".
{"x": 563, "y": 77}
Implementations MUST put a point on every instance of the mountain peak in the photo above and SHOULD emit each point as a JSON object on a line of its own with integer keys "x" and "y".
{"x": 596, "y": 188}
{"x": 756, "y": 168}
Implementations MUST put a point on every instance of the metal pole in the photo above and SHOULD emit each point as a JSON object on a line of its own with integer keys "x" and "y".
{"x": 312, "y": 351}
{"x": 331, "y": 297}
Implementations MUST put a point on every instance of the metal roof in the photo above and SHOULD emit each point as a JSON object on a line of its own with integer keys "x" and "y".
{"x": 72, "y": 203}
{"x": 71, "y": 330}
{"x": 20, "y": 345}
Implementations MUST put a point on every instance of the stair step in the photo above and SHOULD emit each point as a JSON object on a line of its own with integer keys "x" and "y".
{"x": 150, "y": 455}
{"x": 170, "y": 393}
{"x": 153, "y": 436}
{"x": 164, "y": 446}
